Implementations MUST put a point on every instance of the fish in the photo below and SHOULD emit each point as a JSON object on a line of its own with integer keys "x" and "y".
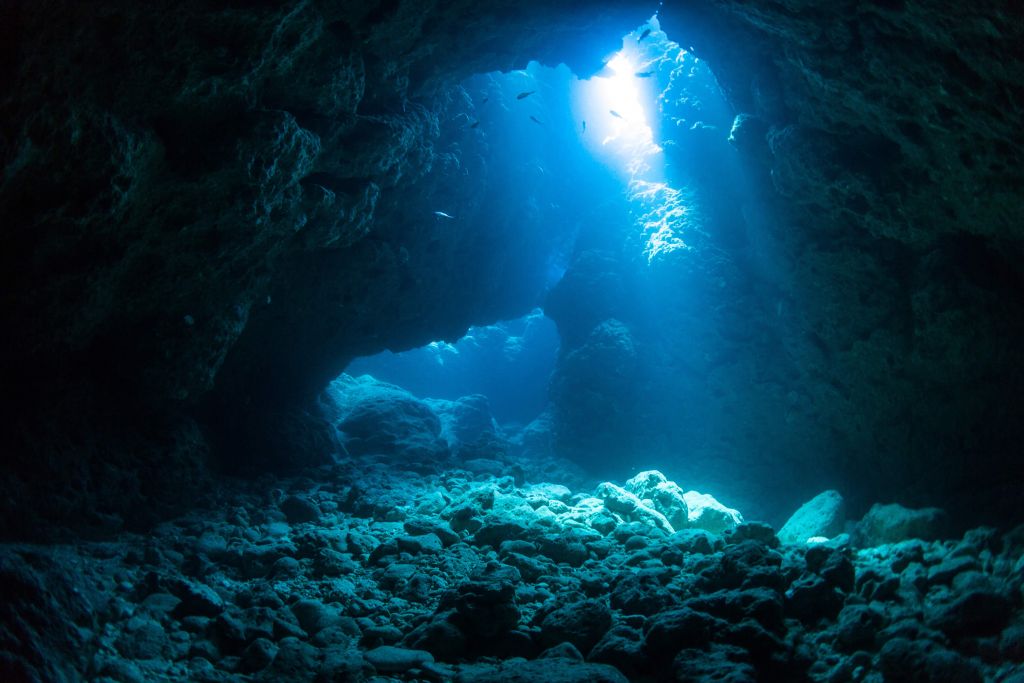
{"x": 584, "y": 126}
{"x": 615, "y": 114}
{"x": 484, "y": 100}
{"x": 474, "y": 124}
{"x": 644, "y": 74}
{"x": 442, "y": 214}
{"x": 534, "y": 119}
{"x": 643, "y": 35}
{"x": 524, "y": 95}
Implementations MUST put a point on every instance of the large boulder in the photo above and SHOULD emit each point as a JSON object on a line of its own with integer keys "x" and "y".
{"x": 379, "y": 418}
{"x": 821, "y": 516}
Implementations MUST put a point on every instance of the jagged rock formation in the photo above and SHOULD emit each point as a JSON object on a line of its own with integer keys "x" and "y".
{"x": 208, "y": 210}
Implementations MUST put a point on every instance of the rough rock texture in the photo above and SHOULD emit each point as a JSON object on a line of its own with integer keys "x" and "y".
{"x": 208, "y": 209}
{"x": 853, "y": 308}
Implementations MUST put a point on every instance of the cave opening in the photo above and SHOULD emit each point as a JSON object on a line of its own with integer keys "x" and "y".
{"x": 723, "y": 384}
{"x": 629, "y": 175}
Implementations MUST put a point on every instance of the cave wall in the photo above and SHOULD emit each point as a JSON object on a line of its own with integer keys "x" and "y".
{"x": 206, "y": 205}
{"x": 209, "y": 208}
{"x": 850, "y": 313}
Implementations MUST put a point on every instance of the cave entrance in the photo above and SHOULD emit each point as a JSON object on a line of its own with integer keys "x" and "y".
{"x": 509, "y": 362}
{"x": 596, "y": 199}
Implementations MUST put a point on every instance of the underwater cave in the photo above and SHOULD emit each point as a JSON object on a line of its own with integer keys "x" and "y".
{"x": 512, "y": 341}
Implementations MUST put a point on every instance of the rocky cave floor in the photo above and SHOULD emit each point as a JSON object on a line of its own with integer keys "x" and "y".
{"x": 371, "y": 570}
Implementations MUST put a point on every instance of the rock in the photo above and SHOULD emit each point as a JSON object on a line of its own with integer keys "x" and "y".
{"x": 752, "y": 531}
{"x": 640, "y": 594}
{"x": 257, "y": 656}
{"x": 313, "y": 616}
{"x": 622, "y": 502}
{"x": 949, "y": 568}
{"x": 429, "y": 544}
{"x": 389, "y": 659}
{"x": 142, "y": 638}
{"x": 973, "y": 613}
{"x": 381, "y": 418}
{"x": 707, "y": 513}
{"x": 621, "y": 647}
{"x": 298, "y": 509}
{"x": 440, "y": 637}
{"x": 295, "y": 661}
{"x": 858, "y": 626}
{"x": 821, "y": 516}
{"x": 721, "y": 663}
{"x": 673, "y": 630}
{"x": 894, "y": 523}
{"x": 548, "y": 670}
{"x": 811, "y": 599}
{"x": 564, "y": 650}
{"x": 196, "y": 600}
{"x": 485, "y": 606}
{"x": 581, "y": 623}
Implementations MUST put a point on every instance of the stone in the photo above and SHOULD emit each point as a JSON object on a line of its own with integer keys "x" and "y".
{"x": 196, "y": 600}
{"x": 390, "y": 659}
{"x": 381, "y": 418}
{"x": 429, "y": 544}
{"x": 857, "y": 627}
{"x": 624, "y": 503}
{"x": 556, "y": 670}
{"x": 581, "y": 623}
{"x": 973, "y": 613}
{"x": 821, "y": 516}
{"x": 894, "y": 523}
{"x": 668, "y": 632}
{"x": 298, "y": 510}
{"x": 721, "y": 663}
{"x": 708, "y": 514}
{"x": 257, "y": 656}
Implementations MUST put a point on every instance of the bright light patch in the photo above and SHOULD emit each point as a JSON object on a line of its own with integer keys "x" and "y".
{"x": 612, "y": 105}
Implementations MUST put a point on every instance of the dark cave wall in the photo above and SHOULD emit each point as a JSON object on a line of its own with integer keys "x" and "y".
{"x": 852, "y": 316}
{"x": 170, "y": 166}
{"x": 193, "y": 184}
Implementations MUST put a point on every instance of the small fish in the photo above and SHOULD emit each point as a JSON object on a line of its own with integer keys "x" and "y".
{"x": 524, "y": 95}
{"x": 615, "y": 114}
{"x": 644, "y": 74}
{"x": 442, "y": 214}
{"x": 484, "y": 100}
{"x": 584, "y": 126}
{"x": 534, "y": 119}
{"x": 643, "y": 35}
{"x": 474, "y": 124}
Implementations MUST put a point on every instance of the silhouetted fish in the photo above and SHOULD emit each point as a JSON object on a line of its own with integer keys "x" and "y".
{"x": 644, "y": 74}
{"x": 524, "y": 95}
{"x": 615, "y": 114}
{"x": 643, "y": 35}
{"x": 474, "y": 124}
{"x": 484, "y": 100}
{"x": 584, "y": 126}
{"x": 442, "y": 214}
{"x": 534, "y": 119}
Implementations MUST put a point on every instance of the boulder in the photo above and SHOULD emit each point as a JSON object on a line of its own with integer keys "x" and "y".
{"x": 623, "y": 503}
{"x": 821, "y": 516}
{"x": 707, "y": 513}
{"x": 378, "y": 418}
{"x": 894, "y": 523}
